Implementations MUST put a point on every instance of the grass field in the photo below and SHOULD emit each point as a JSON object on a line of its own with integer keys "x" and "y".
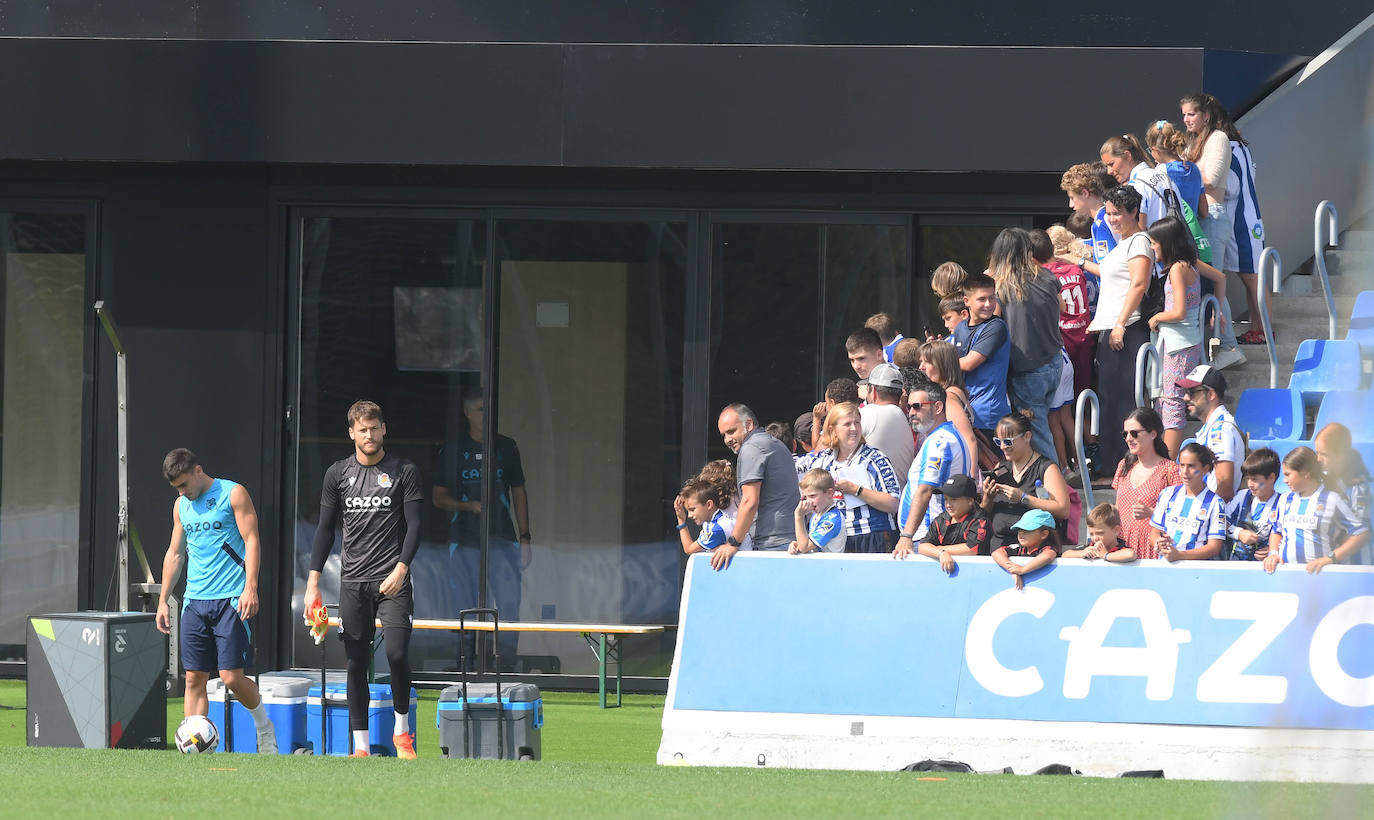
{"x": 595, "y": 764}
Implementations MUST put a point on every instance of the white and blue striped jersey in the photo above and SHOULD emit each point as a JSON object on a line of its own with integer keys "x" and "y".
{"x": 942, "y": 455}
{"x": 713, "y": 532}
{"x": 1311, "y": 526}
{"x": 1247, "y": 512}
{"x": 1221, "y": 435}
{"x": 1242, "y": 203}
{"x": 1104, "y": 239}
{"x": 868, "y": 468}
{"x": 827, "y": 530}
{"x": 1190, "y": 521}
{"x": 1356, "y": 494}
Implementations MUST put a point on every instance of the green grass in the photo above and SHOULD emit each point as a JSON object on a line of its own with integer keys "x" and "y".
{"x": 595, "y": 763}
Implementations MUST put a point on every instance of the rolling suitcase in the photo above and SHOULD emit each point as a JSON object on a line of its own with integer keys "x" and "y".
{"x": 490, "y": 721}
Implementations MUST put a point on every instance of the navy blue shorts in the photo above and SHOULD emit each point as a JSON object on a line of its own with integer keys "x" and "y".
{"x": 213, "y": 637}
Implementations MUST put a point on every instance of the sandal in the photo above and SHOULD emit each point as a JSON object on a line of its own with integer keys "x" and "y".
{"x": 1251, "y": 337}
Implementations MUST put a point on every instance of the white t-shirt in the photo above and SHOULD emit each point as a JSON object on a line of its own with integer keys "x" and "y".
{"x": 886, "y": 429}
{"x": 1116, "y": 280}
{"x": 1221, "y": 435}
{"x": 1143, "y": 177}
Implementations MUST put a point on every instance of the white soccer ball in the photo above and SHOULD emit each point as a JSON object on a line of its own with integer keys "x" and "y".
{"x": 197, "y": 735}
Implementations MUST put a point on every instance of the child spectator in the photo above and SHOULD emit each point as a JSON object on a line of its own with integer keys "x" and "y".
{"x": 1036, "y": 539}
{"x": 1079, "y": 295}
{"x": 825, "y": 531}
{"x": 1087, "y": 190}
{"x": 865, "y": 351}
{"x": 1104, "y": 537}
{"x": 839, "y": 391}
{"x": 952, "y": 312}
{"x": 1345, "y": 472}
{"x": 886, "y": 328}
{"x": 720, "y": 474}
{"x": 1311, "y": 525}
{"x": 939, "y": 362}
{"x": 1250, "y": 511}
{"x": 801, "y": 433}
{"x": 984, "y": 346}
{"x": 907, "y": 353}
{"x": 1179, "y": 325}
{"x": 701, "y": 502}
{"x": 1189, "y": 522}
{"x": 782, "y": 431}
{"x": 962, "y": 529}
{"x": 948, "y": 280}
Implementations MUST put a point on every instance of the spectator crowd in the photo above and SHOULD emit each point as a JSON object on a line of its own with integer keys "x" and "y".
{"x": 963, "y": 443}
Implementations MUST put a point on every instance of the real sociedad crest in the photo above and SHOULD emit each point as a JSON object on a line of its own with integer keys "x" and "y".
{"x": 383, "y": 480}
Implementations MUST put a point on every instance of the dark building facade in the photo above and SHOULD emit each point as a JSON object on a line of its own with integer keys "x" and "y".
{"x": 606, "y": 224}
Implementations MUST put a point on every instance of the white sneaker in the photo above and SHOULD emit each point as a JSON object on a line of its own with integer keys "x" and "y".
{"x": 267, "y": 740}
{"x": 1226, "y": 358}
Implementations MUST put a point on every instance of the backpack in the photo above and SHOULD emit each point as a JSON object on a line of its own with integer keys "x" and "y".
{"x": 1183, "y": 212}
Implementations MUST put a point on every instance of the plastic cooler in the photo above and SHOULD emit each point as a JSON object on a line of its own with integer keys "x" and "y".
{"x": 284, "y": 695}
{"x": 479, "y": 727}
{"x": 381, "y": 721}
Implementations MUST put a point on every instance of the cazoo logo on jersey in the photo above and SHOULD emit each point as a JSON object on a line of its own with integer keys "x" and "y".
{"x": 367, "y": 502}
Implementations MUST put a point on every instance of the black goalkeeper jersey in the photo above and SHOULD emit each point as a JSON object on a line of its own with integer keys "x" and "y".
{"x": 370, "y": 502}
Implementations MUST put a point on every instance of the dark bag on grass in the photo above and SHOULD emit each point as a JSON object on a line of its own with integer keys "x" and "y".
{"x": 954, "y": 766}
{"x": 1057, "y": 768}
{"x": 1152, "y": 773}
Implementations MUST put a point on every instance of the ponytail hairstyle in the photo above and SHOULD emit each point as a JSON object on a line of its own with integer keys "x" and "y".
{"x": 1127, "y": 144}
{"x": 1018, "y": 419}
{"x": 948, "y": 279}
{"x": 1205, "y": 456}
{"x": 1162, "y": 136}
{"x": 720, "y": 476}
{"x": 1304, "y": 460}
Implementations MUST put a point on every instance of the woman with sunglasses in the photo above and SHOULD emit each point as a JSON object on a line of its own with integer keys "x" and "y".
{"x": 1024, "y": 481}
{"x": 1142, "y": 475}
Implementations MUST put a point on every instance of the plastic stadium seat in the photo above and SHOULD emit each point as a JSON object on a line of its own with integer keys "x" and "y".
{"x": 1262, "y": 413}
{"x": 1353, "y": 408}
{"x": 1323, "y": 365}
{"x": 1362, "y": 323}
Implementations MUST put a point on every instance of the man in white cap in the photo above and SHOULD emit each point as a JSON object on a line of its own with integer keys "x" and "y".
{"x": 1206, "y": 388}
{"x": 884, "y": 421}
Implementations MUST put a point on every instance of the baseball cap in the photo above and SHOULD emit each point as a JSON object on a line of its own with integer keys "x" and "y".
{"x": 886, "y": 375}
{"x": 801, "y": 429}
{"x": 1034, "y": 520}
{"x": 958, "y": 486}
{"x": 1204, "y": 376}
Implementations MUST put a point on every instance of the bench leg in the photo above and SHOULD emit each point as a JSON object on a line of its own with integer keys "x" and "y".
{"x": 606, "y": 648}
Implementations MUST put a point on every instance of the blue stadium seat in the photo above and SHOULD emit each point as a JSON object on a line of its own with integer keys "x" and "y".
{"x": 1323, "y": 365}
{"x": 1362, "y": 323}
{"x": 1262, "y": 413}
{"x": 1353, "y": 408}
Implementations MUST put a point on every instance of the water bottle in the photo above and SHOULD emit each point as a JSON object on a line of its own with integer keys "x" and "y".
{"x": 1040, "y": 491}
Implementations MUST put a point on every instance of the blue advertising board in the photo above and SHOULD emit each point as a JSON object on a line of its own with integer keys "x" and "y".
{"x": 1195, "y": 643}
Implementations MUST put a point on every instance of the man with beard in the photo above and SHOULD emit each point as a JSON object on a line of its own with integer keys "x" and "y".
{"x": 942, "y": 455}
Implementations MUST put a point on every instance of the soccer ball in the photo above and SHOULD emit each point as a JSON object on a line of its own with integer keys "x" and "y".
{"x": 197, "y": 735}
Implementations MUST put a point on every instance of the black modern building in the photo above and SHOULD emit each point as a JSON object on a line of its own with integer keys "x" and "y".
{"x": 607, "y": 221}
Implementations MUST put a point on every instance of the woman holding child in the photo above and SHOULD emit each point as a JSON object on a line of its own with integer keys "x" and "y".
{"x": 865, "y": 477}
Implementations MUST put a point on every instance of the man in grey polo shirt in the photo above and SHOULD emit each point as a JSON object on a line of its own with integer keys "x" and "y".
{"x": 768, "y": 493}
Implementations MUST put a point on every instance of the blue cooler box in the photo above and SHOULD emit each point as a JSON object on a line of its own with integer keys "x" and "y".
{"x": 480, "y": 727}
{"x": 283, "y": 693}
{"x": 381, "y": 720}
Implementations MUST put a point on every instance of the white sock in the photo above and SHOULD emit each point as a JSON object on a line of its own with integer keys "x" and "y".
{"x": 360, "y": 743}
{"x": 260, "y": 718}
{"x": 402, "y": 723}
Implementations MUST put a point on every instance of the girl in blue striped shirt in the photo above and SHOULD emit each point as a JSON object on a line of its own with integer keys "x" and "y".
{"x": 1189, "y": 520}
{"x": 1311, "y": 524}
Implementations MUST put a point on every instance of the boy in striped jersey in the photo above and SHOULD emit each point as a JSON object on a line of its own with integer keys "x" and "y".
{"x": 1189, "y": 521}
{"x": 1248, "y": 515}
{"x": 1308, "y": 520}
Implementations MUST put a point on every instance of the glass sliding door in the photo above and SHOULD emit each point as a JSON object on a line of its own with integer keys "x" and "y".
{"x": 43, "y": 314}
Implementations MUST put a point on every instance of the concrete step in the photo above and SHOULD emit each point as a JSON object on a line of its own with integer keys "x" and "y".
{"x": 1290, "y": 310}
{"x": 1342, "y": 284}
{"x": 1358, "y": 240}
{"x": 1352, "y": 263}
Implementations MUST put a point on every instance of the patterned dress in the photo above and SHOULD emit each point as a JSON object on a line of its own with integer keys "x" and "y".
{"x": 1136, "y": 531}
{"x": 1179, "y": 354}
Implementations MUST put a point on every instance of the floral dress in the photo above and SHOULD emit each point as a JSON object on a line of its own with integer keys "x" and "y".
{"x": 1136, "y": 531}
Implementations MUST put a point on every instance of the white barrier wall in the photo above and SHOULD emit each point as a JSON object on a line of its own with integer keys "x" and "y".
{"x": 1207, "y": 670}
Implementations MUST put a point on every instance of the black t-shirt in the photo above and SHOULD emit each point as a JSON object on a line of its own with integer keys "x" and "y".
{"x": 462, "y": 477}
{"x": 973, "y": 530}
{"x": 1004, "y": 512}
{"x": 370, "y": 501}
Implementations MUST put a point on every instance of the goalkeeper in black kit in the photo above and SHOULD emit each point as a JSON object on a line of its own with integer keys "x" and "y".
{"x": 378, "y": 498}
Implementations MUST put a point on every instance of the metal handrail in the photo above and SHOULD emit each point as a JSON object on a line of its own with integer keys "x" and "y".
{"x": 1146, "y": 352}
{"x": 1269, "y": 264}
{"x": 1319, "y": 247}
{"x": 1217, "y": 316}
{"x": 1084, "y": 468}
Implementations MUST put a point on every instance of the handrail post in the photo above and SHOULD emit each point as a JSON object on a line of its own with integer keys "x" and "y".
{"x": 1085, "y": 398}
{"x": 122, "y": 422}
{"x": 1269, "y": 265}
{"x": 1142, "y": 360}
{"x": 1217, "y": 318}
{"x": 1319, "y": 246}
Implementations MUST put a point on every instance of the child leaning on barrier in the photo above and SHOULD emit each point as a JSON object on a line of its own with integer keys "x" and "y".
{"x": 1104, "y": 537}
{"x": 962, "y": 529}
{"x": 1037, "y": 538}
{"x": 1248, "y": 515}
{"x": 824, "y": 531}
{"x": 1310, "y": 524}
{"x": 1189, "y": 522}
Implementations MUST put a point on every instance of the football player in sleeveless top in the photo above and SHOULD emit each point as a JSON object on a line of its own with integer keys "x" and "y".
{"x": 214, "y": 522}
{"x": 378, "y": 498}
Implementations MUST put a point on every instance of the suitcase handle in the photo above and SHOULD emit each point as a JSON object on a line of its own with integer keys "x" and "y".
{"x": 496, "y": 669}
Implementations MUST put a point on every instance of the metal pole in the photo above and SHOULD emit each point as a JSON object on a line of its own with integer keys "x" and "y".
{"x": 1270, "y": 265}
{"x": 1217, "y": 317}
{"x": 1146, "y": 352}
{"x": 122, "y": 396}
{"x": 1319, "y": 246}
{"x": 1085, "y": 398}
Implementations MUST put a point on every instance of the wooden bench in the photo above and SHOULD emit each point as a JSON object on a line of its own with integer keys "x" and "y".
{"x": 602, "y": 639}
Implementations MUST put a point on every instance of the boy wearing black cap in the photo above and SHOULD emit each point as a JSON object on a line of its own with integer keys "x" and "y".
{"x": 962, "y": 529}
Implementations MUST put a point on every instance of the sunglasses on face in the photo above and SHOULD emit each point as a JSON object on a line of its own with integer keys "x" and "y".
{"x": 1196, "y": 391}
{"x": 1130, "y": 434}
{"x": 1004, "y": 442}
